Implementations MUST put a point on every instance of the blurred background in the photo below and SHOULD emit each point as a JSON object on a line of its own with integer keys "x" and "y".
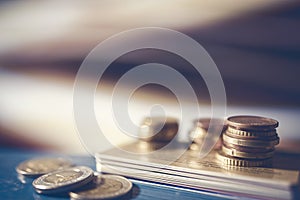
{"x": 255, "y": 44}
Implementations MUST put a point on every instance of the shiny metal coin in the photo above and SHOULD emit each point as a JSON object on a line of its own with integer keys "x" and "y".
{"x": 250, "y": 142}
{"x": 249, "y": 149}
{"x": 205, "y": 122}
{"x": 262, "y": 138}
{"x": 197, "y": 133}
{"x": 63, "y": 180}
{"x": 202, "y": 125}
{"x": 240, "y": 154}
{"x": 252, "y": 123}
{"x": 252, "y": 134}
{"x": 158, "y": 129}
{"x": 40, "y": 166}
{"x": 241, "y": 162}
{"x": 106, "y": 187}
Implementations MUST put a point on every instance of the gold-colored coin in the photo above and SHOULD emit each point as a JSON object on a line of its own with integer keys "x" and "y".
{"x": 158, "y": 129}
{"x": 249, "y": 149}
{"x": 206, "y": 122}
{"x": 267, "y": 138}
{"x": 240, "y": 154}
{"x": 254, "y": 134}
{"x": 250, "y": 142}
{"x": 195, "y": 147}
{"x": 240, "y": 162}
{"x": 197, "y": 133}
{"x": 252, "y": 123}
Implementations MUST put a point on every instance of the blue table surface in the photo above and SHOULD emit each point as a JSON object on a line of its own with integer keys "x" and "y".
{"x": 12, "y": 188}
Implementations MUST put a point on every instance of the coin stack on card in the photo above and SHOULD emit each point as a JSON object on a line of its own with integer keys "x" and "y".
{"x": 156, "y": 132}
{"x": 201, "y": 132}
{"x": 249, "y": 141}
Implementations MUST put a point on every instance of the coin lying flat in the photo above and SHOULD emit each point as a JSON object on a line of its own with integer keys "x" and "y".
{"x": 252, "y": 123}
{"x": 40, "y": 166}
{"x": 106, "y": 187}
{"x": 250, "y": 143}
{"x": 242, "y": 133}
{"x": 63, "y": 180}
{"x": 241, "y": 154}
{"x": 240, "y": 162}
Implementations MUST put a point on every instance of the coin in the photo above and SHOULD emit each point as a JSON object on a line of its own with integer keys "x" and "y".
{"x": 197, "y": 132}
{"x": 252, "y": 123}
{"x": 249, "y": 149}
{"x": 250, "y": 142}
{"x": 106, "y": 187}
{"x": 254, "y": 137}
{"x": 205, "y": 122}
{"x": 40, "y": 166}
{"x": 63, "y": 180}
{"x": 242, "y": 133}
{"x": 240, "y": 154}
{"x": 158, "y": 129}
{"x": 240, "y": 162}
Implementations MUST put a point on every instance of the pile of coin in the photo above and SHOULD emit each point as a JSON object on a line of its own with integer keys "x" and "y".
{"x": 200, "y": 132}
{"x": 59, "y": 176}
{"x": 158, "y": 129}
{"x": 249, "y": 141}
{"x": 156, "y": 132}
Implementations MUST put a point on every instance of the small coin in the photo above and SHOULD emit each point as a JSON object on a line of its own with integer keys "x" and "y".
{"x": 200, "y": 132}
{"x": 240, "y": 154}
{"x": 263, "y": 138}
{"x": 40, "y": 166}
{"x": 197, "y": 132}
{"x": 63, "y": 180}
{"x": 106, "y": 187}
{"x": 249, "y": 149}
{"x": 195, "y": 147}
{"x": 250, "y": 142}
{"x": 205, "y": 122}
{"x": 240, "y": 162}
{"x": 158, "y": 129}
{"x": 252, "y": 123}
{"x": 253, "y": 134}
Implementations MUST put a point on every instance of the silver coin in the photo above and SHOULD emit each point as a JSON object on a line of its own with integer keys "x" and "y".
{"x": 250, "y": 142}
{"x": 241, "y": 154}
{"x": 242, "y": 162}
{"x": 63, "y": 180}
{"x": 106, "y": 187}
{"x": 40, "y": 166}
{"x": 250, "y": 134}
{"x": 213, "y": 122}
{"x": 158, "y": 129}
{"x": 245, "y": 122}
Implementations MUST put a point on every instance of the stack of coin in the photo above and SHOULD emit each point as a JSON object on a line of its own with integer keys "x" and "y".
{"x": 249, "y": 141}
{"x": 200, "y": 132}
{"x": 156, "y": 132}
{"x": 158, "y": 129}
